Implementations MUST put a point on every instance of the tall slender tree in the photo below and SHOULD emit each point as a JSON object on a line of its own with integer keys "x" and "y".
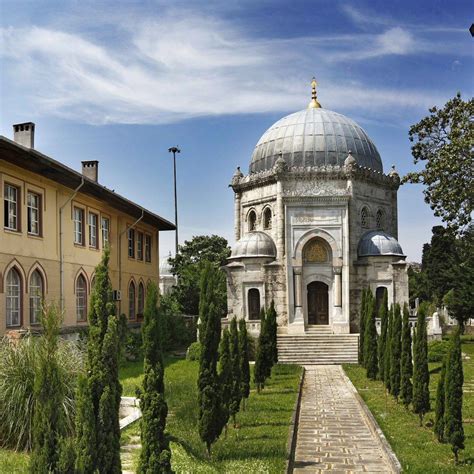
{"x": 395, "y": 351}
{"x": 421, "y": 375}
{"x": 244, "y": 362}
{"x": 261, "y": 360}
{"x": 370, "y": 339}
{"x": 155, "y": 455}
{"x": 235, "y": 356}
{"x": 272, "y": 328}
{"x": 388, "y": 349}
{"x": 453, "y": 430}
{"x": 225, "y": 377}
{"x": 382, "y": 341}
{"x": 406, "y": 387}
{"x": 362, "y": 318}
{"x": 438, "y": 427}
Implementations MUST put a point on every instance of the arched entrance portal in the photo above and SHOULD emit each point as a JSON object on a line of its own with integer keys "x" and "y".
{"x": 318, "y": 303}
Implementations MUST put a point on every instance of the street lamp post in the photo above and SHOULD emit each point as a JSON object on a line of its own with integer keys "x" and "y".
{"x": 174, "y": 150}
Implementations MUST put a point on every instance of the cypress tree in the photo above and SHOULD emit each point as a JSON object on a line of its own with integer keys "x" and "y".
{"x": 235, "y": 356}
{"x": 261, "y": 358}
{"x": 211, "y": 411}
{"x": 225, "y": 376}
{"x": 453, "y": 430}
{"x": 155, "y": 455}
{"x": 421, "y": 376}
{"x": 438, "y": 427}
{"x": 388, "y": 349}
{"x": 370, "y": 339}
{"x": 272, "y": 328}
{"x": 406, "y": 388}
{"x": 244, "y": 362}
{"x": 382, "y": 341}
{"x": 48, "y": 420}
{"x": 395, "y": 352}
{"x": 362, "y": 317}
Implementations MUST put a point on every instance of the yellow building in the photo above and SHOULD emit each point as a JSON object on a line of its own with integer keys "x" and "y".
{"x": 55, "y": 223}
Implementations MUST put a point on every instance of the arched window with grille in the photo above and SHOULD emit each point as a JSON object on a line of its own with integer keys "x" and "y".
{"x": 364, "y": 218}
{"x": 380, "y": 219}
{"x": 81, "y": 298}
{"x": 131, "y": 302}
{"x": 267, "y": 218}
{"x": 36, "y": 292}
{"x": 254, "y": 304}
{"x": 13, "y": 298}
{"x": 379, "y": 294}
{"x": 141, "y": 299}
{"x": 252, "y": 220}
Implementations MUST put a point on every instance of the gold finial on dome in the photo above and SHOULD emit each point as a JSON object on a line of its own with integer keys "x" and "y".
{"x": 314, "y": 104}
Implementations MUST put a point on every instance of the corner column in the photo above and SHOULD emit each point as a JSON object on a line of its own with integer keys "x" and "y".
{"x": 280, "y": 221}
{"x": 337, "y": 286}
{"x": 237, "y": 220}
{"x": 297, "y": 325}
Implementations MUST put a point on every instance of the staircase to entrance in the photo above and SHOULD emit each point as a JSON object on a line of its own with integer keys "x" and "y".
{"x": 318, "y": 345}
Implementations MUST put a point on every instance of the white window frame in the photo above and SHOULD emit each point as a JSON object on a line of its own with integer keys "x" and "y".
{"x": 36, "y": 293}
{"x": 11, "y": 197}
{"x": 105, "y": 231}
{"x": 81, "y": 299}
{"x": 140, "y": 239}
{"x": 148, "y": 244}
{"x": 13, "y": 298}
{"x": 131, "y": 243}
{"x": 78, "y": 225}
{"x": 93, "y": 224}
{"x": 34, "y": 213}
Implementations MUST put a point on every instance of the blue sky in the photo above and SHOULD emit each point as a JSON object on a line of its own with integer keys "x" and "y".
{"x": 122, "y": 81}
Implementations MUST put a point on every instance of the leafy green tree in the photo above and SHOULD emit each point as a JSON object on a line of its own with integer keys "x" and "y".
{"x": 370, "y": 339}
{"x": 388, "y": 350}
{"x": 443, "y": 141}
{"x": 417, "y": 286}
{"x": 236, "y": 394}
{"x": 396, "y": 352}
{"x": 406, "y": 387}
{"x": 260, "y": 373}
{"x": 48, "y": 420}
{"x": 272, "y": 329}
{"x": 211, "y": 410}
{"x": 438, "y": 427}
{"x": 225, "y": 376}
{"x": 421, "y": 375}
{"x": 155, "y": 455}
{"x": 382, "y": 341}
{"x": 244, "y": 362}
{"x": 362, "y": 318}
{"x": 188, "y": 265}
{"x": 453, "y": 430}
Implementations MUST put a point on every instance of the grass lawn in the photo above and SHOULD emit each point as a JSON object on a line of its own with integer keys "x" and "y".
{"x": 10, "y": 461}
{"x": 258, "y": 445}
{"x": 416, "y": 447}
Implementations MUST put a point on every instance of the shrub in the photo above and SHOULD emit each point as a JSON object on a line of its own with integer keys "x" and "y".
{"x": 437, "y": 350}
{"x": 133, "y": 345}
{"x": 18, "y": 363}
{"x": 194, "y": 351}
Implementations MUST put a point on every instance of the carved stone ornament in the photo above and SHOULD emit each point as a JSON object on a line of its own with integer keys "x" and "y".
{"x": 312, "y": 188}
{"x": 315, "y": 252}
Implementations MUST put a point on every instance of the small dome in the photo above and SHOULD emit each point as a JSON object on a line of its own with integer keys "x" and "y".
{"x": 254, "y": 244}
{"x": 315, "y": 137}
{"x": 376, "y": 242}
{"x": 165, "y": 267}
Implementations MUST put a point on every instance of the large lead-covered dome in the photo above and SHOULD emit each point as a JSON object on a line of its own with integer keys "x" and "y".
{"x": 315, "y": 137}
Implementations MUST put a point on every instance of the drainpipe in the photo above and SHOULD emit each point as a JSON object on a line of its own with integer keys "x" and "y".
{"x": 120, "y": 254}
{"x": 61, "y": 251}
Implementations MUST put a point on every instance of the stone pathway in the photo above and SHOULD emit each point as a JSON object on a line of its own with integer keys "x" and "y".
{"x": 334, "y": 433}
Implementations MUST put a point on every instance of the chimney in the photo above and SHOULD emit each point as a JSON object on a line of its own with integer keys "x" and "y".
{"x": 24, "y": 134}
{"x": 90, "y": 169}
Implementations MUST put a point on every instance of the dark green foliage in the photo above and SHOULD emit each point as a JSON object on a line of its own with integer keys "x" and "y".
{"x": 421, "y": 376}
{"x": 417, "y": 285}
{"x": 48, "y": 420}
{"x": 194, "y": 351}
{"x": 261, "y": 370}
{"x": 438, "y": 427}
{"x": 244, "y": 362}
{"x": 236, "y": 394}
{"x": 272, "y": 328}
{"x": 406, "y": 387}
{"x": 453, "y": 430}
{"x": 382, "y": 341}
{"x": 211, "y": 410}
{"x": 370, "y": 338}
{"x": 155, "y": 456}
{"x": 362, "y": 318}
{"x": 388, "y": 350}
{"x": 67, "y": 456}
{"x": 225, "y": 375}
{"x": 438, "y": 350}
{"x": 395, "y": 351}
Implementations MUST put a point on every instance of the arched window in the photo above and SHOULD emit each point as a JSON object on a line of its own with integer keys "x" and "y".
{"x": 267, "y": 218}
{"x": 36, "y": 296}
{"x": 13, "y": 298}
{"x": 131, "y": 301}
{"x": 141, "y": 299}
{"x": 81, "y": 298}
{"x": 254, "y": 304}
{"x": 380, "y": 219}
{"x": 364, "y": 218}
{"x": 379, "y": 294}
{"x": 252, "y": 221}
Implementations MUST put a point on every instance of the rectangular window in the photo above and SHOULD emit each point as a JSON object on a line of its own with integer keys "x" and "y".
{"x": 34, "y": 213}
{"x": 131, "y": 243}
{"x": 11, "y": 208}
{"x": 93, "y": 221}
{"x": 105, "y": 231}
{"x": 140, "y": 245}
{"x": 148, "y": 248}
{"x": 78, "y": 226}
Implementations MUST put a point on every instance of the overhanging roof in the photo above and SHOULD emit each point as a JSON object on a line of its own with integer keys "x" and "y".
{"x": 34, "y": 161}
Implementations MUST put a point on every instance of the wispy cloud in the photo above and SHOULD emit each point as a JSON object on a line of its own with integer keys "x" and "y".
{"x": 203, "y": 65}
